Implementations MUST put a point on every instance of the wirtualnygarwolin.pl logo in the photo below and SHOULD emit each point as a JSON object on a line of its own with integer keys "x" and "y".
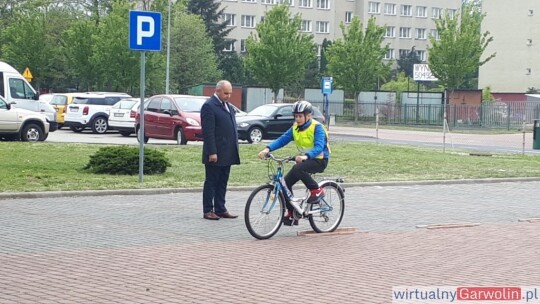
{"x": 465, "y": 294}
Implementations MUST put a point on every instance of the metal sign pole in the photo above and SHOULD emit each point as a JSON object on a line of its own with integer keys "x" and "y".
{"x": 141, "y": 115}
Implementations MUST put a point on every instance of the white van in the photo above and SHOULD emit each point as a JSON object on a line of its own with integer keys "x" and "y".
{"x": 18, "y": 92}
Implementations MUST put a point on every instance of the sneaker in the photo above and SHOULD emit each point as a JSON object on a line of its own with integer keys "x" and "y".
{"x": 289, "y": 221}
{"x": 316, "y": 195}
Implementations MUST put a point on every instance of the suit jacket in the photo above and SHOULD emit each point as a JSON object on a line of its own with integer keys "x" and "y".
{"x": 220, "y": 135}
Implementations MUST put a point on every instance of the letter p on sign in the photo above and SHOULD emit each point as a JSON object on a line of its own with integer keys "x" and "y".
{"x": 144, "y": 31}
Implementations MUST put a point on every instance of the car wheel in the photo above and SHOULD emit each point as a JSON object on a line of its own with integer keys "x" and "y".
{"x": 180, "y": 137}
{"x": 31, "y": 132}
{"x": 255, "y": 135}
{"x": 77, "y": 129}
{"x": 100, "y": 125}
{"x": 43, "y": 138}
{"x": 125, "y": 133}
{"x": 138, "y": 136}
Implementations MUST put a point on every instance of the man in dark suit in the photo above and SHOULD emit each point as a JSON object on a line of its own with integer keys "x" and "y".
{"x": 220, "y": 150}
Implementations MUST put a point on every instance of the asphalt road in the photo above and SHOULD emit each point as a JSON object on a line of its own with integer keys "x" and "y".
{"x": 517, "y": 143}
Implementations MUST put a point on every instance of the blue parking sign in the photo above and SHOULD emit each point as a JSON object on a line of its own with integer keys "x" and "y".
{"x": 144, "y": 31}
{"x": 326, "y": 85}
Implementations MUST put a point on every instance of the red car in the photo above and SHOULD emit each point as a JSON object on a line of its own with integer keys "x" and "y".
{"x": 175, "y": 117}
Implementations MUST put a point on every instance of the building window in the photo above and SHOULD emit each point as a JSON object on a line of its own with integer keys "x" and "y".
{"x": 304, "y": 3}
{"x": 324, "y": 4}
{"x": 403, "y": 53}
{"x": 406, "y": 10}
{"x": 251, "y": 1}
{"x": 436, "y": 12}
{"x": 389, "y": 9}
{"x": 348, "y": 17}
{"x": 288, "y": 2}
{"x": 420, "y": 33}
{"x": 531, "y": 12}
{"x": 389, "y": 54}
{"x": 243, "y": 46}
{"x": 421, "y": 11}
{"x": 390, "y": 32}
{"x": 322, "y": 27}
{"x": 404, "y": 32}
{"x": 435, "y": 34}
{"x": 529, "y": 41}
{"x": 248, "y": 21}
{"x": 319, "y": 50}
{"x": 229, "y": 47}
{"x": 305, "y": 26}
{"x": 374, "y": 7}
{"x": 451, "y": 13}
{"x": 421, "y": 55}
{"x": 230, "y": 18}
{"x": 270, "y": 2}
{"x": 528, "y": 71}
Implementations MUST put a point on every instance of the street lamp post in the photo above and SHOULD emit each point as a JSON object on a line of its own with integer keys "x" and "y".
{"x": 168, "y": 49}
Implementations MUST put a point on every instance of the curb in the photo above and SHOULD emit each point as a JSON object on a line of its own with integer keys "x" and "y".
{"x": 52, "y": 194}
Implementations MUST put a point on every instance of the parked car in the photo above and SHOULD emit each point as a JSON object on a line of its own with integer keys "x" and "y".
{"x": 268, "y": 121}
{"x": 122, "y": 115}
{"x": 176, "y": 117}
{"x": 22, "y": 124}
{"x": 91, "y": 110}
{"x": 60, "y": 101}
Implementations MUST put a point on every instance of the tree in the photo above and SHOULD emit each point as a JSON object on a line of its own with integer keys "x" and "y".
{"x": 279, "y": 53}
{"x": 457, "y": 53}
{"x": 117, "y": 65}
{"x": 356, "y": 60}
{"x": 193, "y": 60}
{"x": 211, "y": 15}
{"x": 323, "y": 61}
{"x": 232, "y": 66}
{"x": 406, "y": 63}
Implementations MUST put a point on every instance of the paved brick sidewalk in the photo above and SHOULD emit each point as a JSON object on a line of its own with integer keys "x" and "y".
{"x": 157, "y": 249}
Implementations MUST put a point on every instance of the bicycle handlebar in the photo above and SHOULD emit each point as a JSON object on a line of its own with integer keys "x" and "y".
{"x": 279, "y": 160}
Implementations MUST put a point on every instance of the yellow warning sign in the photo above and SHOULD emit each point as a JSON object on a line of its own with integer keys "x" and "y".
{"x": 27, "y": 74}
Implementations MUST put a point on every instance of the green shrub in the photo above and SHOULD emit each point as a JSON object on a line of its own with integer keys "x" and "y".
{"x": 125, "y": 160}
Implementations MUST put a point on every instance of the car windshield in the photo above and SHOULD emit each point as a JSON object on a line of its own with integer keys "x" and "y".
{"x": 125, "y": 104}
{"x": 264, "y": 110}
{"x": 59, "y": 100}
{"x": 187, "y": 104}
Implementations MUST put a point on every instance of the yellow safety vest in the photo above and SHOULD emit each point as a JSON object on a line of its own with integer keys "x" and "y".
{"x": 305, "y": 139}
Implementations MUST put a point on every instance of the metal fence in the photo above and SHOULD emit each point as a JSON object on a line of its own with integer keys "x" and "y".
{"x": 492, "y": 115}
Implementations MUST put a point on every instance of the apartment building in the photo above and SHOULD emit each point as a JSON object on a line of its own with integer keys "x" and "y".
{"x": 515, "y": 27}
{"x": 408, "y": 22}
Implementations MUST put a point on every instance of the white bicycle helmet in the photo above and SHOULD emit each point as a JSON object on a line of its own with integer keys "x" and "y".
{"x": 302, "y": 106}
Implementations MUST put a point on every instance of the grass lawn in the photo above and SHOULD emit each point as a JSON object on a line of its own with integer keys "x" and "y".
{"x": 56, "y": 166}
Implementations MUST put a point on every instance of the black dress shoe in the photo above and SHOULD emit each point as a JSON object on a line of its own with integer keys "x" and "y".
{"x": 211, "y": 216}
{"x": 227, "y": 214}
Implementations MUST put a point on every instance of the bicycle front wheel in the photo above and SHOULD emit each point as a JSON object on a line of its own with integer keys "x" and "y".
{"x": 264, "y": 212}
{"x": 326, "y": 215}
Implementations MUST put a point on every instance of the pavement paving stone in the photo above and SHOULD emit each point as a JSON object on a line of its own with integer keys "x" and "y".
{"x": 158, "y": 249}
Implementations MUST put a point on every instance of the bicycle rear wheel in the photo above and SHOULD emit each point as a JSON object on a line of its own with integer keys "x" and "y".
{"x": 328, "y": 213}
{"x": 264, "y": 212}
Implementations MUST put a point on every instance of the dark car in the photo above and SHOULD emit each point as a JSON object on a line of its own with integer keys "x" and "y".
{"x": 268, "y": 121}
{"x": 175, "y": 117}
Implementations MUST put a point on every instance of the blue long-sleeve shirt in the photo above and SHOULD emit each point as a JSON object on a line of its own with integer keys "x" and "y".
{"x": 319, "y": 146}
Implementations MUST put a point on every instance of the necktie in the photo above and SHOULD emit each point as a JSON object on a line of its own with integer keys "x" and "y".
{"x": 225, "y": 106}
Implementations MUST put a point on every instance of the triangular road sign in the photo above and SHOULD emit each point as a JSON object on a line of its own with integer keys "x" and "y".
{"x": 27, "y": 74}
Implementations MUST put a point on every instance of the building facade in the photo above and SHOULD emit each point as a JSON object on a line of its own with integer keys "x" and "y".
{"x": 515, "y": 27}
{"x": 408, "y": 22}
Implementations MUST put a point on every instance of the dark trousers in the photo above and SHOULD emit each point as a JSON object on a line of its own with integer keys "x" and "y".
{"x": 303, "y": 171}
{"x": 215, "y": 187}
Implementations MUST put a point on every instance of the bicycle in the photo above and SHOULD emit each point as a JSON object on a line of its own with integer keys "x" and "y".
{"x": 265, "y": 206}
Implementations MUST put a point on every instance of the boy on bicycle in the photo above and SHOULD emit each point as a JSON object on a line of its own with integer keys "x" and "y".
{"x": 311, "y": 139}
